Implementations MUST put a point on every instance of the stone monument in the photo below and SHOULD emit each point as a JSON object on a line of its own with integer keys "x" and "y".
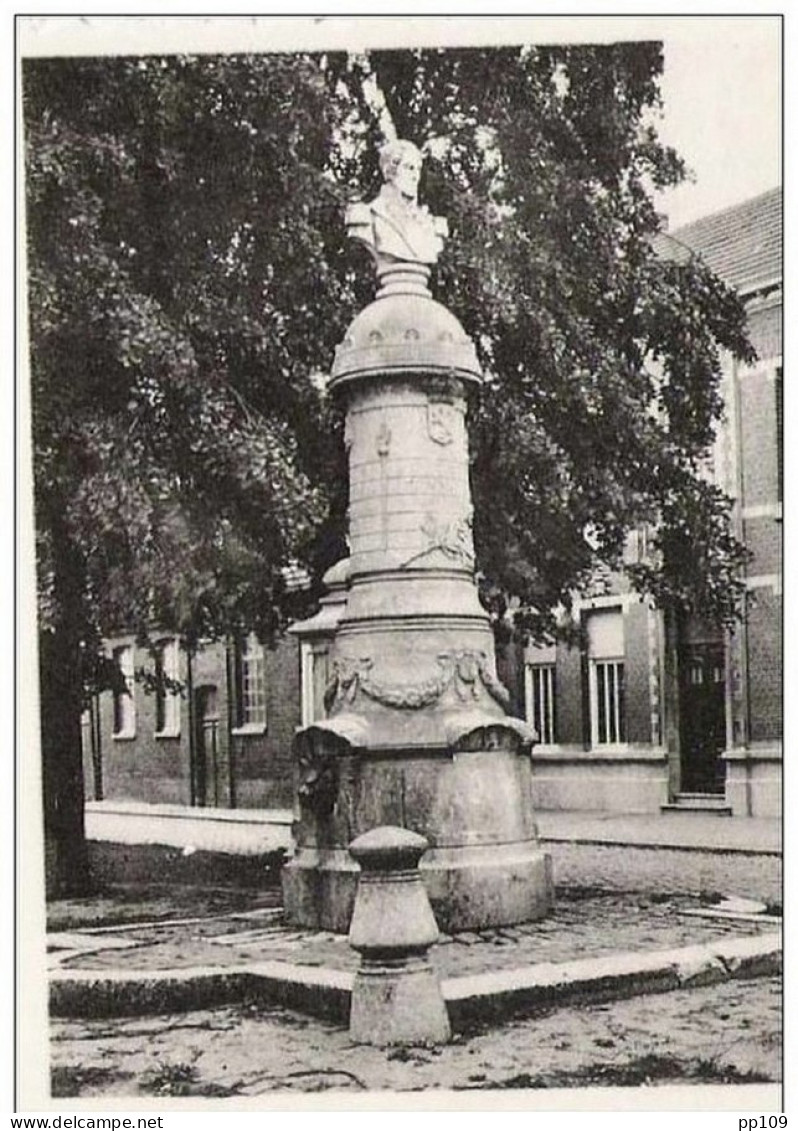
{"x": 416, "y": 732}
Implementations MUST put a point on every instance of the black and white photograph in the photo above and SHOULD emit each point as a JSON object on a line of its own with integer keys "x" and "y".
{"x": 399, "y": 536}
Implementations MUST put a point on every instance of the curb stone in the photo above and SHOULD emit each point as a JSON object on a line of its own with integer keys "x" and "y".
{"x": 476, "y": 998}
{"x": 320, "y": 991}
{"x": 505, "y": 993}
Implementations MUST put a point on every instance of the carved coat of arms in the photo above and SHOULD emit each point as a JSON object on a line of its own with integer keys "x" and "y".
{"x": 441, "y": 421}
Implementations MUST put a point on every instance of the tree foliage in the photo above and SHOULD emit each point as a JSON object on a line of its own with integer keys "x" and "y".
{"x": 187, "y": 274}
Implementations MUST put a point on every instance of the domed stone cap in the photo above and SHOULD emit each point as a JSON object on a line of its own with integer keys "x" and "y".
{"x": 388, "y": 849}
{"x": 337, "y": 576}
{"x": 405, "y": 332}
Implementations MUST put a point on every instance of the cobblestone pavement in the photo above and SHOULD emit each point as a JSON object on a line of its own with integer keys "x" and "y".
{"x": 145, "y": 903}
{"x": 660, "y": 869}
{"x": 728, "y": 1033}
{"x": 581, "y": 926}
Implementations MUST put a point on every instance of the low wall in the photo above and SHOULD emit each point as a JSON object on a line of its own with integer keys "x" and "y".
{"x": 754, "y": 781}
{"x": 132, "y": 842}
{"x": 573, "y": 779}
{"x": 245, "y": 832}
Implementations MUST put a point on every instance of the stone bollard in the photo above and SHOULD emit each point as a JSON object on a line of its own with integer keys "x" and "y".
{"x": 396, "y": 997}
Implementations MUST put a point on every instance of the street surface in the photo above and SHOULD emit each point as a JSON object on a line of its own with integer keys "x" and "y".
{"x": 728, "y": 1033}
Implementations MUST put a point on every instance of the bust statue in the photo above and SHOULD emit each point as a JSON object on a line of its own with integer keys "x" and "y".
{"x": 394, "y": 226}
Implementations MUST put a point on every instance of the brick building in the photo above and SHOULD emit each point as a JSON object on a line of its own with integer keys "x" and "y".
{"x": 649, "y": 712}
{"x": 223, "y": 740}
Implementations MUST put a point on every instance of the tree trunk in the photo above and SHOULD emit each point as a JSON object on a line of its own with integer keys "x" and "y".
{"x": 61, "y": 699}
{"x": 66, "y": 858}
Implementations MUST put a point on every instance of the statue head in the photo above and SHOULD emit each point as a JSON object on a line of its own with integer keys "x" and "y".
{"x": 393, "y": 226}
{"x": 400, "y": 165}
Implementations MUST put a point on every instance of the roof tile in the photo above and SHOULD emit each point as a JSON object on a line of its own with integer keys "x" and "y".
{"x": 742, "y": 244}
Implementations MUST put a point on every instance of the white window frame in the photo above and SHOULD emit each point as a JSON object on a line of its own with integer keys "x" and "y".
{"x": 613, "y": 702}
{"x": 312, "y": 654}
{"x": 250, "y": 667}
{"x": 124, "y": 655}
{"x": 547, "y": 727}
{"x": 307, "y": 688}
{"x": 169, "y": 660}
{"x": 85, "y": 731}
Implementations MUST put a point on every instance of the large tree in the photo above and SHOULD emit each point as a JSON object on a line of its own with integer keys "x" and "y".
{"x": 189, "y": 272}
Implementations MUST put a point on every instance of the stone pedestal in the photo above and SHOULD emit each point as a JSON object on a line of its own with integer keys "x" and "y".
{"x": 416, "y": 733}
{"x": 484, "y": 867}
{"x": 396, "y": 997}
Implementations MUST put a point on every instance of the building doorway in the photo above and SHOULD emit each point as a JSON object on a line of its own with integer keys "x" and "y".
{"x": 703, "y": 716}
{"x": 206, "y": 747}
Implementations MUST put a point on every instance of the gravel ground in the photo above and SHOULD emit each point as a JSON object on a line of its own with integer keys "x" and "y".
{"x": 728, "y": 1033}
{"x": 581, "y": 926}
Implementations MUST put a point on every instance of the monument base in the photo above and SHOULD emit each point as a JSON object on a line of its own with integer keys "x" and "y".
{"x": 469, "y": 887}
{"x": 319, "y": 888}
{"x": 489, "y": 886}
{"x": 484, "y": 866}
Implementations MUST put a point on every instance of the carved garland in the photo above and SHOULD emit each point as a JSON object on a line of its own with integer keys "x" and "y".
{"x": 467, "y": 671}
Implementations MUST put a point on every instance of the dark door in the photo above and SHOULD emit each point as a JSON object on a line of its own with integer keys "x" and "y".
{"x": 206, "y": 747}
{"x": 703, "y": 718}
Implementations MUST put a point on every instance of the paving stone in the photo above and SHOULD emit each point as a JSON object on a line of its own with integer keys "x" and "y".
{"x": 577, "y": 928}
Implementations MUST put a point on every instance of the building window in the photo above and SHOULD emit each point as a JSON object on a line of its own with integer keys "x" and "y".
{"x": 606, "y": 678}
{"x": 167, "y": 696}
{"x": 250, "y": 686}
{"x": 607, "y": 703}
{"x": 306, "y": 683}
{"x": 124, "y": 699}
{"x": 315, "y": 676}
{"x": 86, "y": 732}
{"x": 636, "y": 550}
{"x": 540, "y": 703}
{"x": 90, "y": 734}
